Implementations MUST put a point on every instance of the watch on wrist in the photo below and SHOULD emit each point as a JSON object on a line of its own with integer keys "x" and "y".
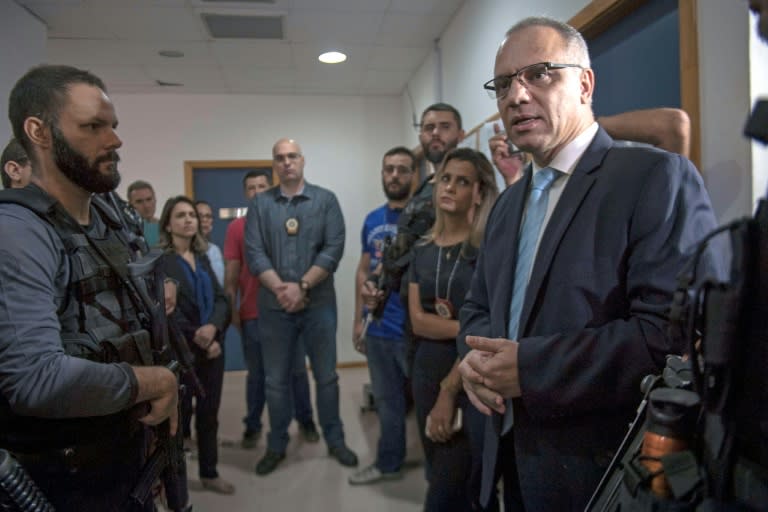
{"x": 304, "y": 286}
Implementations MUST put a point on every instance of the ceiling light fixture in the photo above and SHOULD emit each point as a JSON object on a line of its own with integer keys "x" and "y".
{"x": 174, "y": 54}
{"x": 332, "y": 57}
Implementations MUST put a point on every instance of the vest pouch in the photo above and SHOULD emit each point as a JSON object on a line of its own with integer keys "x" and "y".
{"x": 134, "y": 348}
{"x": 80, "y": 345}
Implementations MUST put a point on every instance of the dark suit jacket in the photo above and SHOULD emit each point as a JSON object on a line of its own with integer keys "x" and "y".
{"x": 186, "y": 312}
{"x": 594, "y": 316}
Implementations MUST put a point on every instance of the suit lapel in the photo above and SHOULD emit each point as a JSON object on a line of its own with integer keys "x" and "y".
{"x": 582, "y": 179}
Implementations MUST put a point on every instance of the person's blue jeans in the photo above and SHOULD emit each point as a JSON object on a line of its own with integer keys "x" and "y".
{"x": 281, "y": 334}
{"x": 386, "y": 364}
{"x": 255, "y": 396}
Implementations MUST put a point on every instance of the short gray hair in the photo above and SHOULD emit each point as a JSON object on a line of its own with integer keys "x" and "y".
{"x": 575, "y": 44}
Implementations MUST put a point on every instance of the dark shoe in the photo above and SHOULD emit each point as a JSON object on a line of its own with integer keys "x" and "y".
{"x": 218, "y": 485}
{"x": 344, "y": 455}
{"x": 250, "y": 438}
{"x": 309, "y": 432}
{"x": 269, "y": 462}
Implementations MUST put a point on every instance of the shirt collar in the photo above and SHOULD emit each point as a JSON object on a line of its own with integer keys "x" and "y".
{"x": 565, "y": 161}
{"x": 304, "y": 191}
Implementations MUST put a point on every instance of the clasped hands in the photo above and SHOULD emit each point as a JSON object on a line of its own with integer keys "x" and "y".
{"x": 489, "y": 373}
{"x": 291, "y": 297}
{"x": 204, "y": 338}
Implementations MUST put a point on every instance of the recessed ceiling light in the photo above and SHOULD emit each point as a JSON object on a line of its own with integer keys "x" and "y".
{"x": 332, "y": 57}
{"x": 175, "y": 54}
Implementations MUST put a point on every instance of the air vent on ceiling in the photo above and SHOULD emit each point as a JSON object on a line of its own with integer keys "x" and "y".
{"x": 163, "y": 83}
{"x": 223, "y": 26}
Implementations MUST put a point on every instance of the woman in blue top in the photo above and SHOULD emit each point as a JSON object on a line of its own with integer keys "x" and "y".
{"x": 202, "y": 313}
{"x": 440, "y": 274}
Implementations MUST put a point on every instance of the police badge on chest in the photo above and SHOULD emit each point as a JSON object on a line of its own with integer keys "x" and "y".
{"x": 292, "y": 226}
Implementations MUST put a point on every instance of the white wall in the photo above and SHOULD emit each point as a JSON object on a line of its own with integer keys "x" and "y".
{"x": 23, "y": 42}
{"x": 758, "y": 52}
{"x": 468, "y": 48}
{"x": 343, "y": 139}
{"x": 725, "y": 103}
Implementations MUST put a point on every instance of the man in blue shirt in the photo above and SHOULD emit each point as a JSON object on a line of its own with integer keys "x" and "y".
{"x": 384, "y": 342}
{"x": 294, "y": 239}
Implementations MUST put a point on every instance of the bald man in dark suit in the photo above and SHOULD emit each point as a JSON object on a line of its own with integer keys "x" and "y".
{"x": 567, "y": 310}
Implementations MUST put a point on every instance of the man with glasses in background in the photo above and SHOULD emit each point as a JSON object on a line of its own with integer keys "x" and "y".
{"x": 294, "y": 239}
{"x": 567, "y": 309}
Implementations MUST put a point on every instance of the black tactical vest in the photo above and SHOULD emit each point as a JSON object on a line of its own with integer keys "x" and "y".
{"x": 101, "y": 319}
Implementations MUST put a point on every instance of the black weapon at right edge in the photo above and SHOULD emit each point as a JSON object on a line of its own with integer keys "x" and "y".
{"x": 18, "y": 493}
{"x": 172, "y": 349}
{"x": 724, "y": 326}
{"x": 382, "y": 284}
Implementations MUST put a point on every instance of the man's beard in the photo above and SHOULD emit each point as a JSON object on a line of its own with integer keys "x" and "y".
{"x": 436, "y": 156}
{"x": 76, "y": 167}
{"x": 397, "y": 194}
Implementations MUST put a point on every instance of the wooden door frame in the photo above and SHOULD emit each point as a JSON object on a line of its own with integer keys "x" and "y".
{"x": 600, "y": 15}
{"x": 191, "y": 165}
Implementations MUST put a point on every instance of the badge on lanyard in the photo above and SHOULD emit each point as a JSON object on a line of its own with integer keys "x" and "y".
{"x": 444, "y": 308}
{"x": 292, "y": 226}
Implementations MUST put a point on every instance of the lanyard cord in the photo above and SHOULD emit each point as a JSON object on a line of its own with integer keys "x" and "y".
{"x": 450, "y": 278}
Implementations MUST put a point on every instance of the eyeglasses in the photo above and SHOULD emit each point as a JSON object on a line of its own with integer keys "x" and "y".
{"x": 289, "y": 156}
{"x": 401, "y": 169}
{"x": 535, "y": 76}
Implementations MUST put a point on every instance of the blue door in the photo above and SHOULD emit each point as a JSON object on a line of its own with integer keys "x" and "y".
{"x": 222, "y": 187}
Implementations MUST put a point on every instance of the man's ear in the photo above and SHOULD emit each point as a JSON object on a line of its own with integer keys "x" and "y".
{"x": 38, "y": 132}
{"x": 13, "y": 170}
{"x": 587, "y": 83}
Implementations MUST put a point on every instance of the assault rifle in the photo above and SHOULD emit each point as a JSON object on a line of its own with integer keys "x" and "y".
{"x": 167, "y": 461}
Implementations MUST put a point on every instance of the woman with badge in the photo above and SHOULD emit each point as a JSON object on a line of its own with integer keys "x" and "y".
{"x": 440, "y": 274}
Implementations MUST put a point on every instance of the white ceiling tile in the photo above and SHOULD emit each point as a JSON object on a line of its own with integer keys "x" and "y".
{"x": 425, "y": 6}
{"x": 268, "y": 54}
{"x": 154, "y": 23}
{"x": 77, "y": 22}
{"x": 139, "y": 3}
{"x": 384, "y": 57}
{"x": 342, "y": 5}
{"x": 192, "y": 76}
{"x": 411, "y": 29}
{"x": 277, "y": 4}
{"x": 248, "y": 79}
{"x": 385, "y": 41}
{"x": 78, "y": 52}
{"x": 332, "y": 27}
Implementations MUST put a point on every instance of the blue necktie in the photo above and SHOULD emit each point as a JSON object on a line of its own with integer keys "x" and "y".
{"x": 535, "y": 211}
